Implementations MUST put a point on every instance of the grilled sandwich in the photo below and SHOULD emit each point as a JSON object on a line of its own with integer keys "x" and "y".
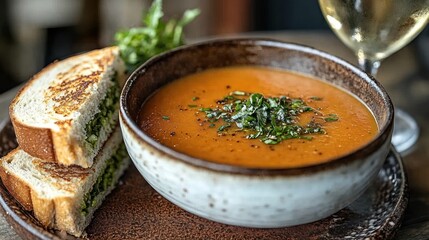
{"x": 66, "y": 112}
{"x": 64, "y": 197}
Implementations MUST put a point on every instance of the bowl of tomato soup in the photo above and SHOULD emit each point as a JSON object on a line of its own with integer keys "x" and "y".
{"x": 256, "y": 132}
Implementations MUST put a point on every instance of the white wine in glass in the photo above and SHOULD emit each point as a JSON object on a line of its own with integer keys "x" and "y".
{"x": 375, "y": 29}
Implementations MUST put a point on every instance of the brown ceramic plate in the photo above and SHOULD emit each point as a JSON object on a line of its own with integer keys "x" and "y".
{"x": 135, "y": 211}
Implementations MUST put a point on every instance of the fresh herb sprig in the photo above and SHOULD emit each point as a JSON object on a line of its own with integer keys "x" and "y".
{"x": 271, "y": 119}
{"x": 137, "y": 45}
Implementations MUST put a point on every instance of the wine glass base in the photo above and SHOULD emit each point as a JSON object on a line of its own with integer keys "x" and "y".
{"x": 405, "y": 131}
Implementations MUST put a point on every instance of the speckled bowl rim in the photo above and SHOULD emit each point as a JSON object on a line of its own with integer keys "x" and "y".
{"x": 359, "y": 154}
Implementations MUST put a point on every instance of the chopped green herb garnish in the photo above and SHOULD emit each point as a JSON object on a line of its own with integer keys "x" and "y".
{"x": 205, "y": 109}
{"x": 331, "y": 118}
{"x": 192, "y": 105}
{"x": 212, "y": 125}
{"x": 166, "y": 117}
{"x": 137, "y": 45}
{"x": 195, "y": 98}
{"x": 270, "y": 119}
{"x": 315, "y": 98}
{"x": 223, "y": 127}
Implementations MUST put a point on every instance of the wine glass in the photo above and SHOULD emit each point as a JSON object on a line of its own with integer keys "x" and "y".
{"x": 375, "y": 29}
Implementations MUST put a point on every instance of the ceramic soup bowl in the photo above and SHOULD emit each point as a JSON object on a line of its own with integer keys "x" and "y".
{"x": 252, "y": 197}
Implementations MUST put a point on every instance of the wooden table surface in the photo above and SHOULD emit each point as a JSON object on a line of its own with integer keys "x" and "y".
{"x": 408, "y": 90}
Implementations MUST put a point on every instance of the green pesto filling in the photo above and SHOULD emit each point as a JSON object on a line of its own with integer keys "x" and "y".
{"x": 103, "y": 118}
{"x": 104, "y": 180}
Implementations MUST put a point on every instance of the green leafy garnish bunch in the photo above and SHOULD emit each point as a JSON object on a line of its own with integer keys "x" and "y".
{"x": 271, "y": 119}
{"x": 137, "y": 45}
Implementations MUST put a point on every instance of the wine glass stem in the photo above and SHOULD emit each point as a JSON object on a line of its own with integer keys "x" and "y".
{"x": 369, "y": 66}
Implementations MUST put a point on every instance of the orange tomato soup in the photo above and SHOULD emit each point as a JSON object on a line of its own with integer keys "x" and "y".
{"x": 170, "y": 117}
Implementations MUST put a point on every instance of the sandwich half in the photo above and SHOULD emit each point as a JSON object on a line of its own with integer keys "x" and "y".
{"x": 67, "y": 111}
{"x": 61, "y": 197}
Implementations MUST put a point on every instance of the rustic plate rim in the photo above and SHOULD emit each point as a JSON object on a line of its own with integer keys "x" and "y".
{"x": 28, "y": 229}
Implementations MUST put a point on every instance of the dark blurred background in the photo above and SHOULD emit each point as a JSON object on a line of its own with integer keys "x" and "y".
{"x": 34, "y": 33}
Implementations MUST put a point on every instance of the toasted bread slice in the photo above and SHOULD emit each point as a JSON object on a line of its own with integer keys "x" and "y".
{"x": 62, "y": 197}
{"x": 67, "y": 111}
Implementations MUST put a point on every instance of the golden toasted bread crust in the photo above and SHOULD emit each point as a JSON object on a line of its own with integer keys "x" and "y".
{"x": 65, "y": 173}
{"x": 51, "y": 213}
{"x": 68, "y": 94}
{"x": 16, "y": 187}
{"x": 70, "y": 90}
{"x": 43, "y": 209}
{"x": 54, "y": 192}
{"x": 35, "y": 141}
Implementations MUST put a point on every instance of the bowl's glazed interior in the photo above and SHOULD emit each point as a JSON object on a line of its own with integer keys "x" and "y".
{"x": 259, "y": 52}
